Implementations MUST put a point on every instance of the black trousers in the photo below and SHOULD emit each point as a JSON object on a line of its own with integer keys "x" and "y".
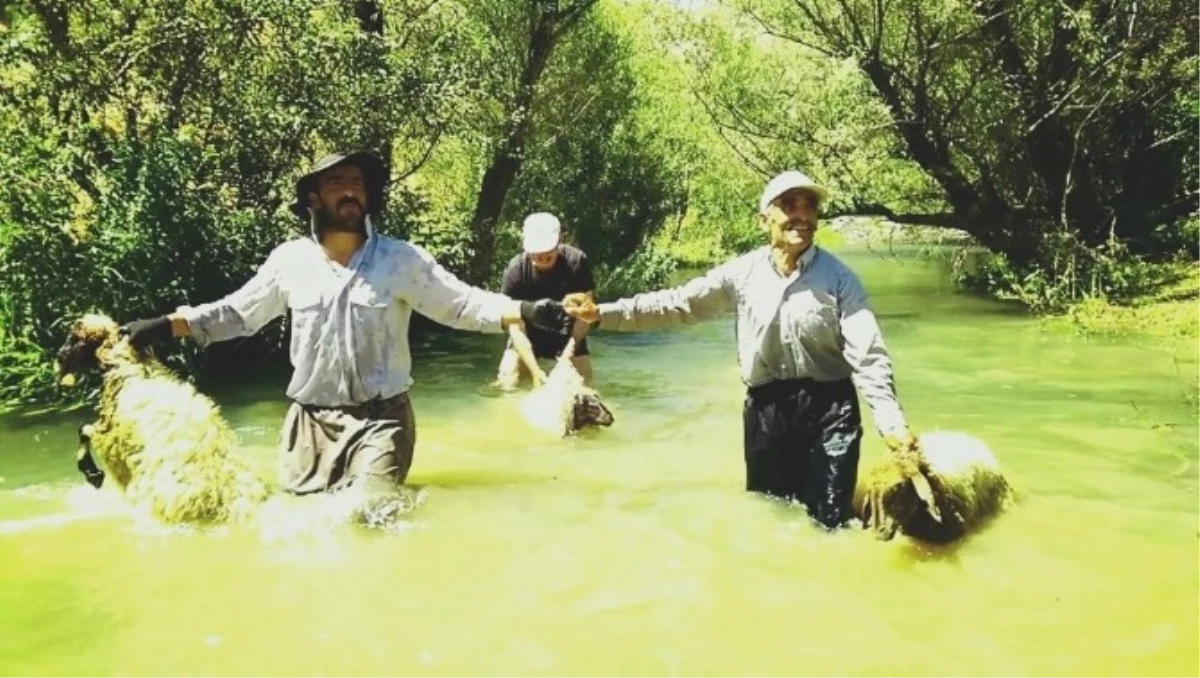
{"x": 802, "y": 440}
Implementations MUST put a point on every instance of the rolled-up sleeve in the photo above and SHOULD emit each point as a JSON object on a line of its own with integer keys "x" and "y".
{"x": 438, "y": 295}
{"x": 243, "y": 312}
{"x": 698, "y": 299}
{"x": 868, "y": 356}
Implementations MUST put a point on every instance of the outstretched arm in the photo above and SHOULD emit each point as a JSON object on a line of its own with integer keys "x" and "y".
{"x": 239, "y": 314}
{"x": 699, "y": 299}
{"x": 437, "y": 294}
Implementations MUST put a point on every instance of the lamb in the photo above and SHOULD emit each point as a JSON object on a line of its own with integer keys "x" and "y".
{"x": 947, "y": 489}
{"x": 561, "y": 403}
{"x": 165, "y": 445}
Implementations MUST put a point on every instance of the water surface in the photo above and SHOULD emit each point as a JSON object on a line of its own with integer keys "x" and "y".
{"x": 635, "y": 551}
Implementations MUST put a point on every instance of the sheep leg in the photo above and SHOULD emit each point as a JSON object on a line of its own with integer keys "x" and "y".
{"x": 84, "y": 460}
{"x": 925, "y": 493}
{"x": 885, "y": 525}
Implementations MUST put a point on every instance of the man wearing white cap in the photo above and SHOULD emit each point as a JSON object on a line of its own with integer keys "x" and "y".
{"x": 547, "y": 269}
{"x": 806, "y": 339}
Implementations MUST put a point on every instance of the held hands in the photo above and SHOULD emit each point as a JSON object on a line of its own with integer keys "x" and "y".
{"x": 547, "y": 314}
{"x": 581, "y": 307}
{"x": 143, "y": 333}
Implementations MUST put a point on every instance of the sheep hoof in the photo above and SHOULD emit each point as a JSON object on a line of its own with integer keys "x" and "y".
{"x": 87, "y": 466}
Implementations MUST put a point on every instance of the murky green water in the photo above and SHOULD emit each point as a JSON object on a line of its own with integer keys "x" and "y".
{"x": 636, "y": 551}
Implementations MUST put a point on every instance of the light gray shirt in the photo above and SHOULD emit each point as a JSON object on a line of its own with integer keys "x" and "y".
{"x": 349, "y": 324}
{"x": 813, "y": 324}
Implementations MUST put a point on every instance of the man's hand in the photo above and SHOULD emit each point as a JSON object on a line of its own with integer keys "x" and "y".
{"x": 579, "y": 305}
{"x": 902, "y": 442}
{"x": 546, "y": 314}
{"x": 143, "y": 333}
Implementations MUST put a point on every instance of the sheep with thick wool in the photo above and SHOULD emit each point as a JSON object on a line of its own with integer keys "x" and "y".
{"x": 165, "y": 445}
{"x": 948, "y": 487}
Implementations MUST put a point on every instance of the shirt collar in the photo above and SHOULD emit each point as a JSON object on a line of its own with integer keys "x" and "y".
{"x": 806, "y": 259}
{"x": 362, "y": 252}
{"x": 802, "y": 263}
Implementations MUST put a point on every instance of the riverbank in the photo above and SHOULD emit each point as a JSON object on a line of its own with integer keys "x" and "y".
{"x": 1170, "y": 312}
{"x": 1165, "y": 318}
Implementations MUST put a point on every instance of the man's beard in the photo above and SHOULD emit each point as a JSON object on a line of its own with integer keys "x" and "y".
{"x": 328, "y": 220}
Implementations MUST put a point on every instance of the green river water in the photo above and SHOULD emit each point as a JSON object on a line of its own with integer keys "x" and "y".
{"x": 635, "y": 551}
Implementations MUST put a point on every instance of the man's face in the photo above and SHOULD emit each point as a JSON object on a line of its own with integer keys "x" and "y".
{"x": 544, "y": 261}
{"x": 340, "y": 201}
{"x": 792, "y": 220}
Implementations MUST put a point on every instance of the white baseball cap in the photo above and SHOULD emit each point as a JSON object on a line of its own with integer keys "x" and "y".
{"x": 786, "y": 181}
{"x": 541, "y": 232}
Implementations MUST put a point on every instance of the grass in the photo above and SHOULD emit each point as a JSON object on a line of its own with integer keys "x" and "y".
{"x": 1170, "y": 312}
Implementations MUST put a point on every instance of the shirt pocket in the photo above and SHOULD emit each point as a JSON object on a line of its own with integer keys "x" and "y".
{"x": 368, "y": 301}
{"x": 369, "y": 309}
{"x": 304, "y": 307}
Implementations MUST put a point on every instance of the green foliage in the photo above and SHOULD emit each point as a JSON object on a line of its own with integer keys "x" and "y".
{"x": 647, "y": 270}
{"x": 1077, "y": 274}
{"x": 1063, "y": 136}
{"x": 148, "y": 149}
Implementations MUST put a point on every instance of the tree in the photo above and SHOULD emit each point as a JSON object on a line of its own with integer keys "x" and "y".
{"x": 1048, "y": 127}
{"x": 544, "y": 23}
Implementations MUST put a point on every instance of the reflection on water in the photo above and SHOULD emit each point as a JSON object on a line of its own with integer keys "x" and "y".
{"x": 635, "y": 550}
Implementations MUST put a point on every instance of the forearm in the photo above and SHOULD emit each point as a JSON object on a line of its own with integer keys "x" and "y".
{"x": 445, "y": 299}
{"x": 868, "y": 356}
{"x": 524, "y": 349}
{"x": 480, "y": 311}
{"x": 208, "y": 323}
{"x": 698, "y": 300}
{"x": 877, "y": 386}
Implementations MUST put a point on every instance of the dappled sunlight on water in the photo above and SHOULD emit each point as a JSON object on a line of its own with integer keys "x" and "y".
{"x": 634, "y": 550}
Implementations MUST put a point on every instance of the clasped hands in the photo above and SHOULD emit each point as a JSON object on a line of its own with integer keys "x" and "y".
{"x": 560, "y": 316}
{"x": 580, "y": 306}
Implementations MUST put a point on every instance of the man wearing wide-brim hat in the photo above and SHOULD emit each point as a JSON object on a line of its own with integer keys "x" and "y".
{"x": 350, "y": 292}
{"x": 806, "y": 338}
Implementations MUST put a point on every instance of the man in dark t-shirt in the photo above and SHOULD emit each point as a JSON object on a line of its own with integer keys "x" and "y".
{"x": 546, "y": 269}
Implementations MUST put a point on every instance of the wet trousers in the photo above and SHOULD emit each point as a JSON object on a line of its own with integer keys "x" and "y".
{"x": 328, "y": 448}
{"x": 802, "y": 440}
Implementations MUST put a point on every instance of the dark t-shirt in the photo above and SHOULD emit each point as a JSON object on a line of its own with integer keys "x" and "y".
{"x": 571, "y": 273}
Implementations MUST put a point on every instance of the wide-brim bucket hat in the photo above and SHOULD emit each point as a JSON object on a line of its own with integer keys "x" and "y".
{"x": 374, "y": 174}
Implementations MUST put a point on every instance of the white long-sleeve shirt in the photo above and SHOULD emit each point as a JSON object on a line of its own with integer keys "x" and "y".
{"x": 813, "y": 324}
{"x": 349, "y": 339}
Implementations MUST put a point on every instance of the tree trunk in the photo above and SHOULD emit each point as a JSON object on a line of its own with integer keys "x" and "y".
{"x": 371, "y": 21}
{"x": 506, "y": 161}
{"x": 930, "y": 152}
{"x": 1064, "y": 172}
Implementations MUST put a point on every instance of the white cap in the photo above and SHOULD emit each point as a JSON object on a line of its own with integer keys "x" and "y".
{"x": 782, "y": 183}
{"x": 541, "y": 232}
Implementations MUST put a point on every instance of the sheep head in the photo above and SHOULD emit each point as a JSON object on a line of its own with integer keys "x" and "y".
{"x": 589, "y": 410}
{"x": 898, "y": 489}
{"x": 88, "y": 342}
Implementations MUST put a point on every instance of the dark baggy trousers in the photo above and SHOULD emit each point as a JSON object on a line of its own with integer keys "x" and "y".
{"x": 802, "y": 440}
{"x": 328, "y": 448}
